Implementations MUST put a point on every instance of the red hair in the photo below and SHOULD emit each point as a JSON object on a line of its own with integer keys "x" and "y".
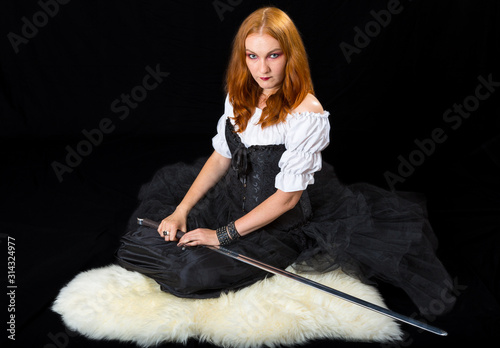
{"x": 244, "y": 91}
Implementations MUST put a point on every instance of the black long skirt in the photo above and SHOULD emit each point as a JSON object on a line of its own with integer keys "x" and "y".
{"x": 368, "y": 232}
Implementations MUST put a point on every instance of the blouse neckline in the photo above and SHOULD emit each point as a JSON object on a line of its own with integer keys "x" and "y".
{"x": 325, "y": 113}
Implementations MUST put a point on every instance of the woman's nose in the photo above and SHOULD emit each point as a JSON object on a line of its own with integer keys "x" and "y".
{"x": 264, "y": 67}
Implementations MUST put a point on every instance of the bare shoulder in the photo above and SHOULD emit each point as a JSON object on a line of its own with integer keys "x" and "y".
{"x": 309, "y": 104}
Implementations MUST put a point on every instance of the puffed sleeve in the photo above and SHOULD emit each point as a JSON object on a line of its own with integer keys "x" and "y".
{"x": 219, "y": 140}
{"x": 307, "y": 135}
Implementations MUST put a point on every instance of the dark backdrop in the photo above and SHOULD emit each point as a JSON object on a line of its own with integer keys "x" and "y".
{"x": 97, "y": 95}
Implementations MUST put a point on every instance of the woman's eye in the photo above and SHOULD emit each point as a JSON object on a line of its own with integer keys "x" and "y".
{"x": 274, "y": 55}
{"x": 252, "y": 56}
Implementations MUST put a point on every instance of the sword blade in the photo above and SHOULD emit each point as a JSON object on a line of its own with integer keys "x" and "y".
{"x": 311, "y": 283}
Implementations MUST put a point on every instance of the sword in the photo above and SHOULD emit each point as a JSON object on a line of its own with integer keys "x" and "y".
{"x": 311, "y": 283}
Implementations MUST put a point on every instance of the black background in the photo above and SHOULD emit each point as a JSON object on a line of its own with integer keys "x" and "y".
{"x": 66, "y": 76}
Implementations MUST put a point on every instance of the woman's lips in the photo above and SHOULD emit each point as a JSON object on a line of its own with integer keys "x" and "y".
{"x": 265, "y": 78}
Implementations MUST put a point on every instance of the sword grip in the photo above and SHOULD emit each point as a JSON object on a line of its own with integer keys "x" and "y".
{"x": 154, "y": 224}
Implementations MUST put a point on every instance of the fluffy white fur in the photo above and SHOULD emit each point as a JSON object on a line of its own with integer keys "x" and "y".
{"x": 113, "y": 303}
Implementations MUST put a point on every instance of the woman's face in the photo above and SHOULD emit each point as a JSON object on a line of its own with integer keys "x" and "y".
{"x": 266, "y": 61}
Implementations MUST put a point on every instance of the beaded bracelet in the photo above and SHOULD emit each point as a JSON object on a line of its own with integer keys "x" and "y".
{"x": 222, "y": 236}
{"x": 232, "y": 231}
{"x": 227, "y": 234}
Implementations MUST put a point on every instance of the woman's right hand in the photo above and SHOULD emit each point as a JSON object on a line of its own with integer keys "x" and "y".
{"x": 172, "y": 223}
{"x": 215, "y": 167}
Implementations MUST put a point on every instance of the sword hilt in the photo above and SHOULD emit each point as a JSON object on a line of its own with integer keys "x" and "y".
{"x": 154, "y": 224}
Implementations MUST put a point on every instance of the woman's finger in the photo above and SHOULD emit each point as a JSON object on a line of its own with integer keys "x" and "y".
{"x": 161, "y": 231}
{"x": 171, "y": 234}
{"x": 190, "y": 238}
{"x": 200, "y": 236}
{"x": 181, "y": 228}
{"x": 166, "y": 235}
{"x": 162, "y": 227}
{"x": 185, "y": 239}
{"x": 164, "y": 230}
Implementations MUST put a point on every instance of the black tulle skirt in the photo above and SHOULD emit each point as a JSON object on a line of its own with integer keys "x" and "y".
{"x": 368, "y": 232}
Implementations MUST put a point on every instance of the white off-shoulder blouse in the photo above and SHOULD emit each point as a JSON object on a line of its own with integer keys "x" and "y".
{"x": 304, "y": 135}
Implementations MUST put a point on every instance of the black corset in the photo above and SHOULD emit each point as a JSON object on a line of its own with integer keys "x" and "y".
{"x": 252, "y": 178}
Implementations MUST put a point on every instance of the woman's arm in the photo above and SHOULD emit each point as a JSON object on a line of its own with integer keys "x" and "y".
{"x": 266, "y": 212}
{"x": 272, "y": 208}
{"x": 213, "y": 170}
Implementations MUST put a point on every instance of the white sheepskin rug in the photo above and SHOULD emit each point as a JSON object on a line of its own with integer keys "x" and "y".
{"x": 113, "y": 303}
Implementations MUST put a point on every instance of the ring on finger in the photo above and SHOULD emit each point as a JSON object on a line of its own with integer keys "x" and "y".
{"x": 166, "y": 233}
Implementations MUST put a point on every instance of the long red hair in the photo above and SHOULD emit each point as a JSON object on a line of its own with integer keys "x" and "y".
{"x": 244, "y": 91}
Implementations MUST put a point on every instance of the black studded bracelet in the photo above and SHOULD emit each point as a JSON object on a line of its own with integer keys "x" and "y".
{"x": 227, "y": 234}
{"x": 232, "y": 231}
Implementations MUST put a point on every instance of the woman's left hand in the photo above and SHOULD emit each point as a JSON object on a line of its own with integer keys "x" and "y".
{"x": 199, "y": 236}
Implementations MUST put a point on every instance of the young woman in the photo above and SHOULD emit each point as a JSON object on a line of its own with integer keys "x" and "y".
{"x": 262, "y": 194}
